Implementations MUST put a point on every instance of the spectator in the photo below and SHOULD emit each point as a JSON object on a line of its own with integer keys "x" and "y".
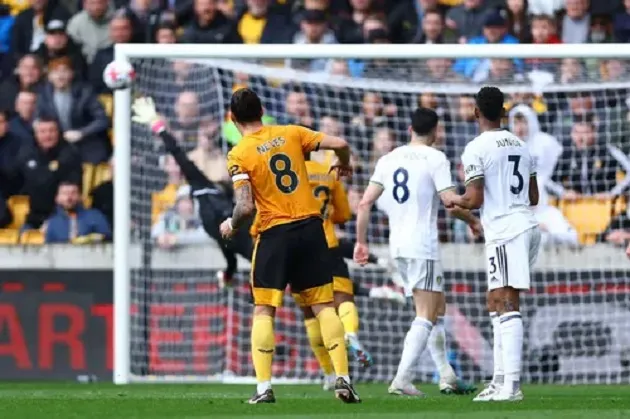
{"x": 6, "y": 24}
{"x": 501, "y": 71}
{"x": 81, "y": 116}
{"x": 28, "y": 29}
{"x": 406, "y": 22}
{"x": 260, "y": 24}
{"x": 174, "y": 179}
{"x": 349, "y": 30}
{"x": 103, "y": 196}
{"x": 181, "y": 224}
{"x": 518, "y": 22}
{"x": 208, "y": 157}
{"x": 313, "y": 30}
{"x": 210, "y": 26}
{"x": 543, "y": 30}
{"x": 28, "y": 76}
{"x": 185, "y": 126}
{"x": 432, "y": 29}
{"x": 601, "y": 30}
{"x": 10, "y": 146}
{"x": 439, "y": 70}
{"x": 146, "y": 16}
{"x": 467, "y": 20}
{"x": 72, "y": 223}
{"x": 58, "y": 44}
{"x": 21, "y": 124}
{"x": 622, "y": 24}
{"x": 298, "y": 110}
{"x": 614, "y": 70}
{"x": 494, "y": 32}
{"x": 90, "y": 27}
{"x": 572, "y": 70}
{"x": 372, "y": 117}
{"x": 544, "y": 148}
{"x": 120, "y": 32}
{"x": 586, "y": 168}
{"x": 165, "y": 33}
{"x": 383, "y": 142}
{"x": 463, "y": 127}
{"x": 576, "y": 22}
{"x": 40, "y": 169}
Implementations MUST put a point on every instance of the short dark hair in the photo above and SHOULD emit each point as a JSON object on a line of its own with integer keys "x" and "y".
{"x": 423, "y": 121}
{"x": 489, "y": 101}
{"x": 47, "y": 118}
{"x": 246, "y": 106}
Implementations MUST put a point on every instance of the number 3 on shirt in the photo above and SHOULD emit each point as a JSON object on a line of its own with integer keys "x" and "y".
{"x": 519, "y": 178}
{"x": 280, "y": 165}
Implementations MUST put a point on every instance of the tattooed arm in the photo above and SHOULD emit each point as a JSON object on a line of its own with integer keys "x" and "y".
{"x": 244, "y": 208}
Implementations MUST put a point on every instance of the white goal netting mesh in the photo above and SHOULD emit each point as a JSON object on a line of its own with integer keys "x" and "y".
{"x": 573, "y": 113}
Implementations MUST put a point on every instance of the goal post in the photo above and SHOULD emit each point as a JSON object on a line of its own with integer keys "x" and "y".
{"x": 172, "y": 323}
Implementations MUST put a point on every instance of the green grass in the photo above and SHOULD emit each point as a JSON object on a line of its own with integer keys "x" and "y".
{"x": 99, "y": 401}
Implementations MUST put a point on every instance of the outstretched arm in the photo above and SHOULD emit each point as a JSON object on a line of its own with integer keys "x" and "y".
{"x": 372, "y": 193}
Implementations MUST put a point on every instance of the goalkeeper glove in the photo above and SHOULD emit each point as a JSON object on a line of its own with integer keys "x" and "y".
{"x": 144, "y": 113}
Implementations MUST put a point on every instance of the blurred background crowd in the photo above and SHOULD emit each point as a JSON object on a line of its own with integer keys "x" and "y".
{"x": 55, "y": 121}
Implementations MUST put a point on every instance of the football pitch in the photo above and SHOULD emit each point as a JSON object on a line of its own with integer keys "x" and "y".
{"x": 100, "y": 401}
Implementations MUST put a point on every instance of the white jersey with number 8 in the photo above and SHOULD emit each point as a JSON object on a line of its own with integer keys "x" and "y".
{"x": 504, "y": 163}
{"x": 412, "y": 176}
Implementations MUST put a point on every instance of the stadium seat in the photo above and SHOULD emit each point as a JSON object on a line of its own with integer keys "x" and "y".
{"x": 108, "y": 103}
{"x": 589, "y": 216}
{"x": 88, "y": 180}
{"x": 32, "y": 237}
{"x": 102, "y": 174}
{"x": 9, "y": 236}
{"x": 19, "y": 206}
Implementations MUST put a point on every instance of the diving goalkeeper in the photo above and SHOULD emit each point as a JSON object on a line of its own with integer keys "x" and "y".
{"x": 214, "y": 204}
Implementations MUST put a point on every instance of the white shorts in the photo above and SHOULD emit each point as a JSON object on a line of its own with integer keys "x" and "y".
{"x": 509, "y": 263}
{"x": 420, "y": 274}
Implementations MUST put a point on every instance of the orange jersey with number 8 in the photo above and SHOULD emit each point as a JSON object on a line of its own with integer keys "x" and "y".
{"x": 272, "y": 159}
{"x": 331, "y": 194}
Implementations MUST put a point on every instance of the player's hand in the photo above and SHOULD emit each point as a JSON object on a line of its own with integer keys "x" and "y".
{"x": 226, "y": 229}
{"x": 361, "y": 253}
{"x": 144, "y": 111}
{"x": 477, "y": 229}
{"x": 341, "y": 170}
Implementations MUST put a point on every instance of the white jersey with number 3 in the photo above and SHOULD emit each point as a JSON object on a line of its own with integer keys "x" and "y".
{"x": 412, "y": 176}
{"x": 504, "y": 163}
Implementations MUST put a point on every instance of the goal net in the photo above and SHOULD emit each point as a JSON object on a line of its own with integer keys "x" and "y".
{"x": 175, "y": 323}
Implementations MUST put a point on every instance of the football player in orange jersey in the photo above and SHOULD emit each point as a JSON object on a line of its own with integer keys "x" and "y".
{"x": 335, "y": 209}
{"x": 269, "y": 174}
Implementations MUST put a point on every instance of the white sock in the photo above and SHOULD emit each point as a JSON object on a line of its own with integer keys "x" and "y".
{"x": 415, "y": 343}
{"x": 498, "y": 376}
{"x": 262, "y": 387}
{"x": 512, "y": 348}
{"x": 437, "y": 348}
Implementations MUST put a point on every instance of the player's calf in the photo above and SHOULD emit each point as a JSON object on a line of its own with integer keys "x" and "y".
{"x": 263, "y": 347}
{"x": 511, "y": 336}
{"x": 349, "y": 315}
{"x": 427, "y": 306}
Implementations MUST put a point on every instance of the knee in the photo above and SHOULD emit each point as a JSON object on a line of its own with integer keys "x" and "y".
{"x": 342, "y": 297}
{"x": 264, "y": 310}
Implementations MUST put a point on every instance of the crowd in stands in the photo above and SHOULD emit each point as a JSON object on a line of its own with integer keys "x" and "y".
{"x": 56, "y": 176}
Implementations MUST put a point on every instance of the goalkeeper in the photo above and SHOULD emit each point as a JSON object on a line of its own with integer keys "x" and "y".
{"x": 214, "y": 204}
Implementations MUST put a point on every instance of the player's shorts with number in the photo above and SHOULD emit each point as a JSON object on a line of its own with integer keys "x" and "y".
{"x": 293, "y": 254}
{"x": 420, "y": 274}
{"x": 509, "y": 263}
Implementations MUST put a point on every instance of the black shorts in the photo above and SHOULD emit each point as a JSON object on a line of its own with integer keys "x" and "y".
{"x": 341, "y": 274}
{"x": 293, "y": 254}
